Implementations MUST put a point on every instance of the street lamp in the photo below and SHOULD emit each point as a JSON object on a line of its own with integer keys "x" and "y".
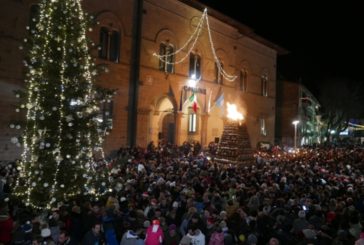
{"x": 295, "y": 122}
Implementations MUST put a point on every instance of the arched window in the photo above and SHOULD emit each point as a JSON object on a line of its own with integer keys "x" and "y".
{"x": 105, "y": 116}
{"x": 243, "y": 83}
{"x": 114, "y": 46}
{"x": 195, "y": 66}
{"x": 166, "y": 62}
{"x": 192, "y": 121}
{"x": 263, "y": 129}
{"x": 264, "y": 85}
{"x": 109, "y": 47}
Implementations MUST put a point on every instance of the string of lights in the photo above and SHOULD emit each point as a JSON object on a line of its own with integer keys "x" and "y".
{"x": 217, "y": 60}
{"x": 195, "y": 36}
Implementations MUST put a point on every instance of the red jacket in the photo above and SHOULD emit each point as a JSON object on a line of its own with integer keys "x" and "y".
{"x": 6, "y": 227}
{"x": 154, "y": 238}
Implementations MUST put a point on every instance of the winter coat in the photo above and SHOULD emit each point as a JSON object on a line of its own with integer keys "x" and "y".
{"x": 154, "y": 237}
{"x": 129, "y": 238}
{"x": 6, "y": 227}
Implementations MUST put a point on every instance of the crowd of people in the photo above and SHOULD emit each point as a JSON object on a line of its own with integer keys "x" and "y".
{"x": 177, "y": 195}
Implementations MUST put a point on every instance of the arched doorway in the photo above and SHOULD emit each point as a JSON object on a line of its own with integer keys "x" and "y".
{"x": 168, "y": 128}
{"x": 163, "y": 121}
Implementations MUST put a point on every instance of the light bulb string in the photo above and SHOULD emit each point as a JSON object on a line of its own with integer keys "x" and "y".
{"x": 61, "y": 115}
{"x": 194, "y": 37}
{"x": 34, "y": 95}
{"x": 217, "y": 60}
{"x": 195, "y": 33}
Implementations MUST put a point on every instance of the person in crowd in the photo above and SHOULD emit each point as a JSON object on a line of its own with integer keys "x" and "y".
{"x": 94, "y": 236}
{"x": 46, "y": 235}
{"x": 171, "y": 235}
{"x": 314, "y": 195}
{"x": 154, "y": 234}
{"x": 6, "y": 223}
{"x": 196, "y": 235}
{"x": 65, "y": 239}
{"x": 130, "y": 237}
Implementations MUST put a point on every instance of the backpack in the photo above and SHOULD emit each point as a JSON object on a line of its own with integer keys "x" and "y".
{"x": 217, "y": 238}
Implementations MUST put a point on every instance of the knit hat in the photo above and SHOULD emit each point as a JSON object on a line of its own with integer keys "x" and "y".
{"x": 146, "y": 224}
{"x": 309, "y": 234}
{"x": 154, "y": 202}
{"x": 145, "y": 194}
{"x": 46, "y": 232}
{"x": 301, "y": 214}
{"x": 156, "y": 222}
{"x": 27, "y": 228}
{"x": 122, "y": 199}
{"x": 210, "y": 220}
{"x": 252, "y": 239}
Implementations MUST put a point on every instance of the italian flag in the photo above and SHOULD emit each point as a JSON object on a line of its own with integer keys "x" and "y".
{"x": 193, "y": 99}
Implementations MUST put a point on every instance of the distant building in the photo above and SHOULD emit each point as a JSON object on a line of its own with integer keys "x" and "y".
{"x": 152, "y": 95}
{"x": 296, "y": 103}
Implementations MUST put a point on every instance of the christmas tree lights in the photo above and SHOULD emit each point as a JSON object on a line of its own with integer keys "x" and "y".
{"x": 62, "y": 129}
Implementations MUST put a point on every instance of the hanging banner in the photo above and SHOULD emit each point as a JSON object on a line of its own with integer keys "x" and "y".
{"x": 195, "y": 90}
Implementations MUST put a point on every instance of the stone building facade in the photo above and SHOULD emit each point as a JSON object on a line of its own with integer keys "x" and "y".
{"x": 162, "y": 90}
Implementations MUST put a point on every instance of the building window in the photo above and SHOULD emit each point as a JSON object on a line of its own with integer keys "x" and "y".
{"x": 114, "y": 46}
{"x": 218, "y": 73}
{"x": 192, "y": 122}
{"x": 104, "y": 43}
{"x": 33, "y": 17}
{"x": 263, "y": 129}
{"x": 243, "y": 80}
{"x": 106, "y": 114}
{"x": 264, "y": 81}
{"x": 166, "y": 50}
{"x": 109, "y": 48}
{"x": 195, "y": 66}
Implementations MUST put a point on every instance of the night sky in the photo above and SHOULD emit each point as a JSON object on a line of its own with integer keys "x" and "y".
{"x": 325, "y": 41}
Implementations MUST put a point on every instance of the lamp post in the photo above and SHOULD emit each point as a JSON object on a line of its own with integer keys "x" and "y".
{"x": 295, "y": 122}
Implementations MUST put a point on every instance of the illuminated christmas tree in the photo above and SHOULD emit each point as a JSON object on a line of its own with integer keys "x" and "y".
{"x": 63, "y": 130}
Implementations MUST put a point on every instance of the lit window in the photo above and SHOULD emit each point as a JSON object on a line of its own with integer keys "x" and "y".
{"x": 218, "y": 73}
{"x": 263, "y": 130}
{"x": 192, "y": 122}
{"x": 166, "y": 62}
{"x": 195, "y": 66}
{"x": 243, "y": 80}
{"x": 109, "y": 47}
{"x": 264, "y": 81}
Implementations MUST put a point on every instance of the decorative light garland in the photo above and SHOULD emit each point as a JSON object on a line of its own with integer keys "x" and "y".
{"x": 217, "y": 60}
{"x": 194, "y": 37}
